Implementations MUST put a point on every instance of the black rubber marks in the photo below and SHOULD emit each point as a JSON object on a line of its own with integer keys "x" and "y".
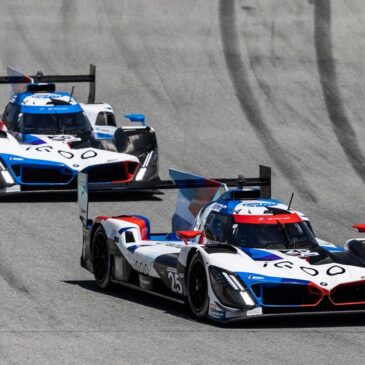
{"x": 238, "y": 73}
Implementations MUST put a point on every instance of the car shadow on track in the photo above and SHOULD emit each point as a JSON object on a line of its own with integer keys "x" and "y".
{"x": 182, "y": 311}
{"x": 71, "y": 196}
{"x": 302, "y": 321}
{"x": 149, "y": 300}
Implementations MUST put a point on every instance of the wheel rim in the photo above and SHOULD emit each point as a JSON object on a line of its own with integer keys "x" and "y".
{"x": 100, "y": 258}
{"x": 198, "y": 286}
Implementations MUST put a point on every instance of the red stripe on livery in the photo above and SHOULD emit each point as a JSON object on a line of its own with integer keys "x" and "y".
{"x": 267, "y": 218}
{"x": 141, "y": 223}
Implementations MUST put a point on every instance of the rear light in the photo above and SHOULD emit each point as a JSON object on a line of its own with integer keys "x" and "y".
{"x": 131, "y": 168}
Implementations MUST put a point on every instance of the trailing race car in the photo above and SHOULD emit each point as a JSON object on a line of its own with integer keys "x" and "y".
{"x": 47, "y": 137}
{"x": 233, "y": 253}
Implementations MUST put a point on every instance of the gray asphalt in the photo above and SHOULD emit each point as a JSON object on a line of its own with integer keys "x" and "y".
{"x": 227, "y": 85}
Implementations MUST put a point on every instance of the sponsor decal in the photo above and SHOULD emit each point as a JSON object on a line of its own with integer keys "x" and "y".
{"x": 335, "y": 270}
{"x": 66, "y": 154}
{"x": 48, "y": 96}
{"x": 284, "y": 264}
{"x": 299, "y": 252}
{"x": 252, "y": 277}
{"x": 44, "y": 148}
{"x": 216, "y": 312}
{"x": 88, "y": 154}
{"x": 259, "y": 204}
{"x": 309, "y": 271}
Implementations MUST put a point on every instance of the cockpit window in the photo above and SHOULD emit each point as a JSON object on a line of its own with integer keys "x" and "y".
{"x": 222, "y": 228}
{"x": 216, "y": 227}
{"x": 72, "y": 123}
{"x": 105, "y": 118}
{"x": 10, "y": 115}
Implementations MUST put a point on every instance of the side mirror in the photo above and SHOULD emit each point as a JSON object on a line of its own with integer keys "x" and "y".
{"x": 359, "y": 227}
{"x": 188, "y": 235}
{"x": 136, "y": 118}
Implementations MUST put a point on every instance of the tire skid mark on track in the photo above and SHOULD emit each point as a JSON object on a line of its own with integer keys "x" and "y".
{"x": 130, "y": 56}
{"x": 15, "y": 283}
{"x": 238, "y": 74}
{"x": 326, "y": 64}
{"x": 12, "y": 280}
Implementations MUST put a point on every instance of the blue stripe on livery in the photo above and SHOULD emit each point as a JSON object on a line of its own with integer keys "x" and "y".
{"x": 124, "y": 229}
{"x": 260, "y": 255}
{"x": 134, "y": 247}
{"x": 103, "y": 136}
{"x": 147, "y": 222}
{"x": 30, "y": 139}
{"x": 333, "y": 248}
{"x": 54, "y": 109}
{"x": 12, "y": 160}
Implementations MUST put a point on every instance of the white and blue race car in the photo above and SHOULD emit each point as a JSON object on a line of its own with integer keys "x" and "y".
{"x": 232, "y": 254}
{"x": 47, "y": 138}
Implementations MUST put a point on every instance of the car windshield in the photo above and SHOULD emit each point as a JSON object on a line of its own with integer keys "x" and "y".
{"x": 275, "y": 236}
{"x": 222, "y": 228}
{"x": 71, "y": 123}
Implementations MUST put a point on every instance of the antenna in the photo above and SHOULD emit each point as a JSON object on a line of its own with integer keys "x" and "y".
{"x": 290, "y": 201}
{"x": 241, "y": 181}
{"x": 39, "y": 75}
{"x": 72, "y": 92}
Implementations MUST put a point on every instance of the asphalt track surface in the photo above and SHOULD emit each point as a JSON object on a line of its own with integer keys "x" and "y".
{"x": 227, "y": 85}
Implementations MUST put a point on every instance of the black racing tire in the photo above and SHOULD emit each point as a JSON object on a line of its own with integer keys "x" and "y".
{"x": 102, "y": 259}
{"x": 197, "y": 287}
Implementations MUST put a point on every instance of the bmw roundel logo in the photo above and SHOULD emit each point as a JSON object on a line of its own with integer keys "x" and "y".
{"x": 324, "y": 284}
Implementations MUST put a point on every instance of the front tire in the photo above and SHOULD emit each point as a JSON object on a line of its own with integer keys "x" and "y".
{"x": 197, "y": 287}
{"x": 102, "y": 259}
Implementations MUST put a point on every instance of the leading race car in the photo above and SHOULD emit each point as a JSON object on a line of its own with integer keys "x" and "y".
{"x": 233, "y": 253}
{"x": 47, "y": 137}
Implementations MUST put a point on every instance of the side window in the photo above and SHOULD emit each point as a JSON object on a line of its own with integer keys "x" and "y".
{"x": 309, "y": 226}
{"x": 105, "y": 118}
{"x": 129, "y": 237}
{"x": 100, "y": 119}
{"x": 10, "y": 116}
{"x": 110, "y": 119}
{"x": 216, "y": 227}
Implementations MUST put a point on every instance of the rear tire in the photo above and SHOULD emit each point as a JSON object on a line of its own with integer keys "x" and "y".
{"x": 102, "y": 259}
{"x": 197, "y": 287}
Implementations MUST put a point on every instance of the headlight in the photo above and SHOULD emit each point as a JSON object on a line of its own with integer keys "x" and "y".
{"x": 5, "y": 177}
{"x": 2, "y": 167}
{"x": 229, "y": 290}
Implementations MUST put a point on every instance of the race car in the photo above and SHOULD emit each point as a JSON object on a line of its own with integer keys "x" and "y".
{"x": 47, "y": 138}
{"x": 233, "y": 253}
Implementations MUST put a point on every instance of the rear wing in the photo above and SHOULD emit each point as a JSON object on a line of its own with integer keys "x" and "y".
{"x": 16, "y": 77}
{"x": 263, "y": 182}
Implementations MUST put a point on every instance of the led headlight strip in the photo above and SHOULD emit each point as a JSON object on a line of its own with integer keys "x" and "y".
{"x": 229, "y": 290}
{"x": 5, "y": 175}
